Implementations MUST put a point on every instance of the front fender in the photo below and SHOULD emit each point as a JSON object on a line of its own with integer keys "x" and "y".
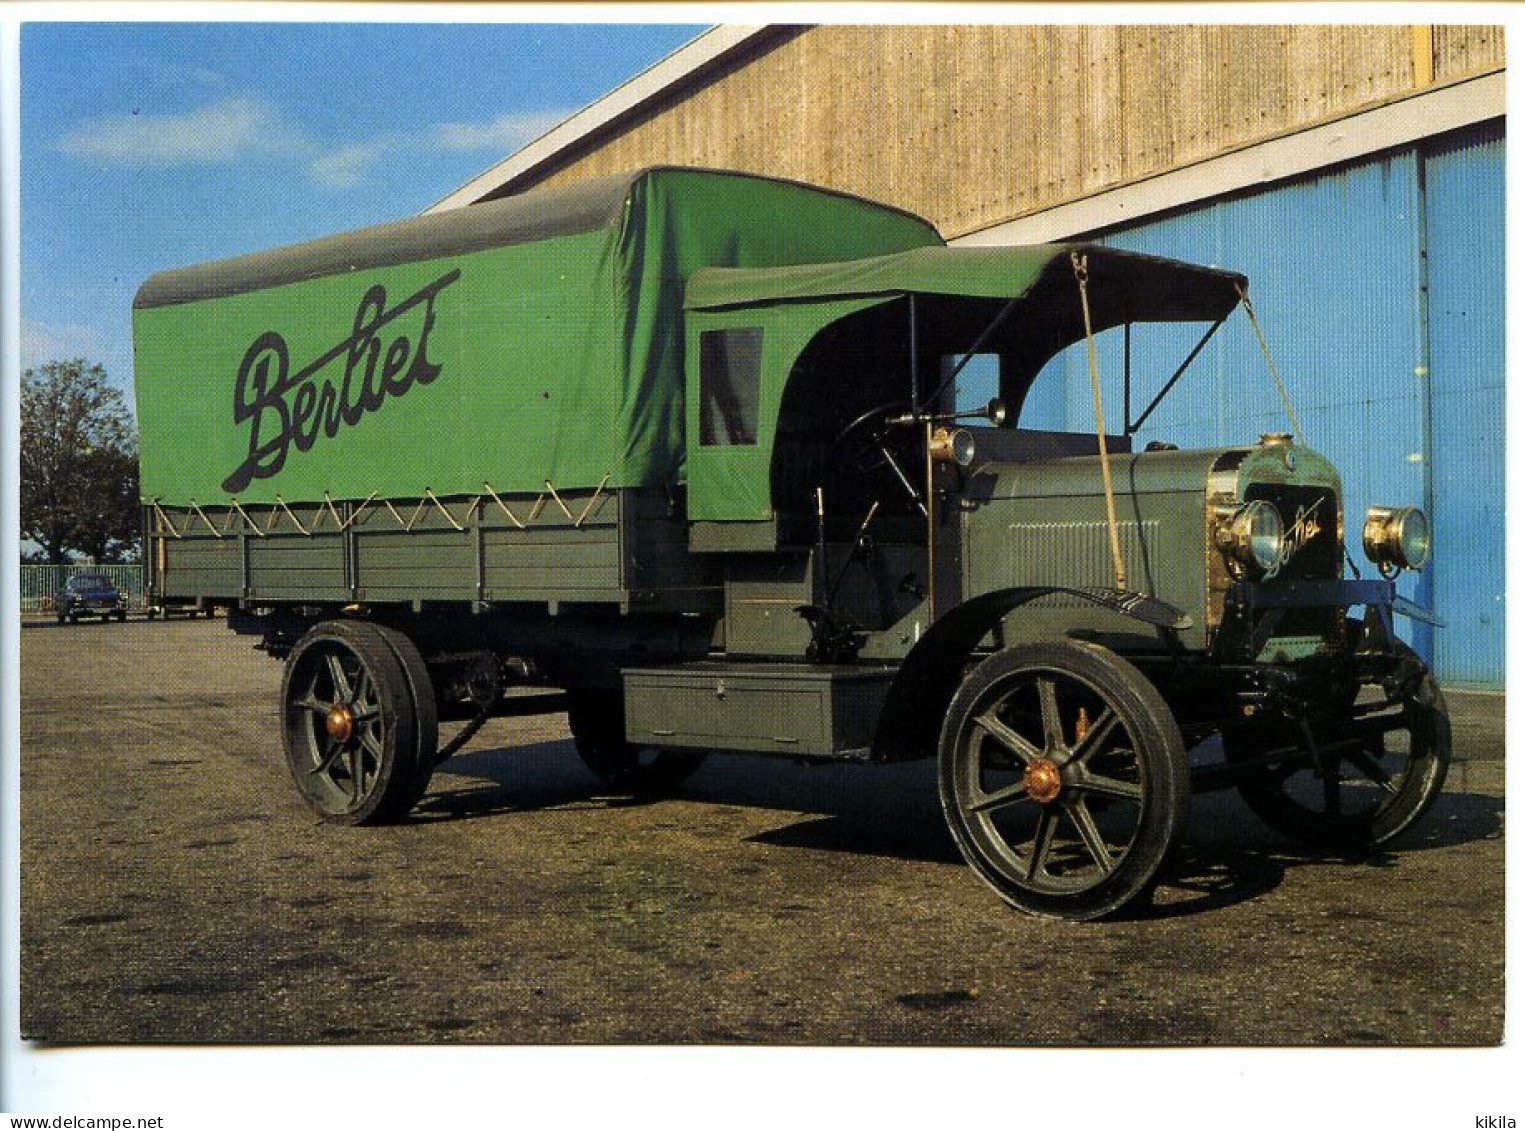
{"x": 933, "y": 669}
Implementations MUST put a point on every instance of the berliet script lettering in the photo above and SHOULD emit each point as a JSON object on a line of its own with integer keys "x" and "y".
{"x": 286, "y": 410}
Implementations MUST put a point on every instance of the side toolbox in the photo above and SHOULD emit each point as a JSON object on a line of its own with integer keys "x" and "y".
{"x": 794, "y": 709}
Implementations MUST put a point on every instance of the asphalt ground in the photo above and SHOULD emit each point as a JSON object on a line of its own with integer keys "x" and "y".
{"x": 174, "y": 889}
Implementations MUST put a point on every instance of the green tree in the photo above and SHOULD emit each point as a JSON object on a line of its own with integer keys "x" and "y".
{"x": 79, "y": 472}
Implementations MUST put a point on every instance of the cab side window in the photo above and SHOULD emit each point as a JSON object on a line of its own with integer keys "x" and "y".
{"x": 730, "y": 376}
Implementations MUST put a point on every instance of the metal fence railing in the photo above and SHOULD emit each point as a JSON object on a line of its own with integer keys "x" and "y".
{"x": 41, "y": 584}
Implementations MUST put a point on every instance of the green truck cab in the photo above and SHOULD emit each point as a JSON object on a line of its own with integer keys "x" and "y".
{"x": 684, "y": 449}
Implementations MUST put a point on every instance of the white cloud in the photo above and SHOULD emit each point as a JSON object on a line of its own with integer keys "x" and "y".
{"x": 221, "y": 131}
{"x": 506, "y": 133}
{"x": 242, "y": 126}
{"x": 44, "y": 342}
{"x": 345, "y": 166}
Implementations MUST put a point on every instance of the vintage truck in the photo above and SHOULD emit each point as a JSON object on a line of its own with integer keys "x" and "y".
{"x": 684, "y": 449}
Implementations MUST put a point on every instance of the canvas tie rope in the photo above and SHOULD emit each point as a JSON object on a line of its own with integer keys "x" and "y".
{"x": 597, "y": 491}
{"x": 164, "y": 520}
{"x": 210, "y": 525}
{"x": 512, "y": 517}
{"x": 330, "y": 508}
{"x": 1078, "y": 262}
{"x": 549, "y": 487}
{"x": 254, "y": 526}
{"x": 346, "y": 523}
{"x": 295, "y": 520}
{"x": 444, "y": 510}
{"x": 1286, "y": 400}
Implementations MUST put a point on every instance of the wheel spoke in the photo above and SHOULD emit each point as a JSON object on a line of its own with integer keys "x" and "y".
{"x": 343, "y": 692}
{"x": 1053, "y": 725}
{"x": 371, "y": 742}
{"x": 1090, "y": 835}
{"x": 1007, "y": 795}
{"x": 1111, "y": 787}
{"x": 1373, "y": 769}
{"x": 312, "y": 703}
{"x": 364, "y": 689}
{"x": 1378, "y": 725}
{"x": 331, "y": 750}
{"x": 1331, "y": 774}
{"x": 1014, "y": 742}
{"x": 1043, "y": 840}
{"x": 356, "y": 763}
{"x": 1104, "y": 725}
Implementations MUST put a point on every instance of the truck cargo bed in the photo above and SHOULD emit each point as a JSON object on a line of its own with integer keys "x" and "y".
{"x": 621, "y": 547}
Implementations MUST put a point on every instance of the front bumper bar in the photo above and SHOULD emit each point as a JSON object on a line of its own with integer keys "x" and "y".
{"x": 1263, "y": 605}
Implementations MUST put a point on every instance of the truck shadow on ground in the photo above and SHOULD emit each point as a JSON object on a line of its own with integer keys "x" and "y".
{"x": 1228, "y": 856}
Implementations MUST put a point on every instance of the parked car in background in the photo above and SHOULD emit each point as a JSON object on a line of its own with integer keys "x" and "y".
{"x": 90, "y": 595}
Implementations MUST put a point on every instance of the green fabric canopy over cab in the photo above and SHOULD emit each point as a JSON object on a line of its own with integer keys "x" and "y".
{"x": 514, "y": 342}
{"x": 1029, "y": 293}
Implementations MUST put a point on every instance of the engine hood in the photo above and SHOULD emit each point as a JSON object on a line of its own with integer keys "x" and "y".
{"x": 1228, "y": 470}
{"x": 1138, "y": 473}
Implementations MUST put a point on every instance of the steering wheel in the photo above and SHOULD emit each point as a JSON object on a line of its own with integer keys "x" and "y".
{"x": 869, "y": 442}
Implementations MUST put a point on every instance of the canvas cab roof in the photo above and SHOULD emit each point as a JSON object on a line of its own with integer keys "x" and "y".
{"x": 1140, "y": 288}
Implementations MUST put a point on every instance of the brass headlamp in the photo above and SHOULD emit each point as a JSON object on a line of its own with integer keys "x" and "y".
{"x": 1396, "y": 537}
{"x": 1252, "y": 534}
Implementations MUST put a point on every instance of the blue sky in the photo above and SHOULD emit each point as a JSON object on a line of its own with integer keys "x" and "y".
{"x": 146, "y": 146}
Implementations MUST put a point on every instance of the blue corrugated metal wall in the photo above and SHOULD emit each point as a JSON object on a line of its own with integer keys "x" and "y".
{"x": 1464, "y": 220}
{"x": 1408, "y": 402}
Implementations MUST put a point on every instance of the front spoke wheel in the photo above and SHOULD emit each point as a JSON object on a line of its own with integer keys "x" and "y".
{"x": 1349, "y": 783}
{"x": 1063, "y": 778}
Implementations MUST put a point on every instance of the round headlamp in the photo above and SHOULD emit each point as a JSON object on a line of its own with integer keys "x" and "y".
{"x": 1397, "y": 537}
{"x": 1253, "y": 535}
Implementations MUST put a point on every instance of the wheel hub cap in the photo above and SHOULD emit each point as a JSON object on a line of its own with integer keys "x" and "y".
{"x": 340, "y": 723}
{"x": 1042, "y": 779}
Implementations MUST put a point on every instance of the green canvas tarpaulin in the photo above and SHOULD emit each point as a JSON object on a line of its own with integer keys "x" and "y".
{"x": 533, "y": 338}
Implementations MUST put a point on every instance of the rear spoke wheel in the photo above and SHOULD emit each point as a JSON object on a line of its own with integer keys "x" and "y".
{"x": 350, "y": 725}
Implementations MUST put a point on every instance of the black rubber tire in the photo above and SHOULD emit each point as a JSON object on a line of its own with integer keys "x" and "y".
{"x": 1149, "y": 776}
{"x": 1372, "y": 826}
{"x": 62, "y": 619}
{"x": 597, "y": 721}
{"x": 121, "y": 617}
{"x": 385, "y": 793}
{"x": 425, "y": 705}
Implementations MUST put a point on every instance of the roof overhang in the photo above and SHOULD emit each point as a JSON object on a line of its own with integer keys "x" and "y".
{"x": 695, "y": 59}
{"x": 1124, "y": 286}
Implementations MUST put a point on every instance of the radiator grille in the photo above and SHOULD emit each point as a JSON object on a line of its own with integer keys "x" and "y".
{"x": 1080, "y": 554}
{"x": 1298, "y": 505}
